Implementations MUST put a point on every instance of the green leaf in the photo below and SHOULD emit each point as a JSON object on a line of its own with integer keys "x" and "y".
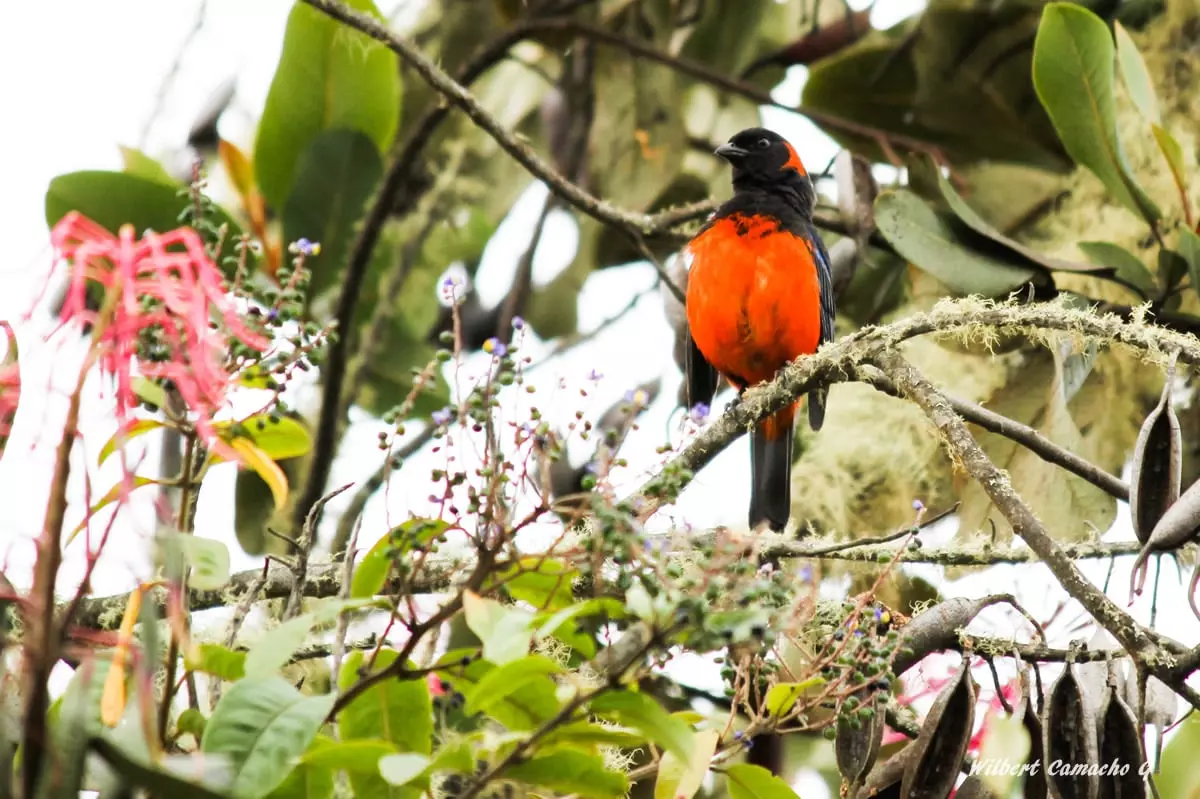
{"x": 643, "y": 713}
{"x": 544, "y": 583}
{"x": 585, "y": 735}
{"x": 506, "y": 632}
{"x": 264, "y": 725}
{"x": 138, "y": 163}
{"x": 571, "y": 772}
{"x": 1136, "y": 76}
{"x": 154, "y": 781}
{"x": 992, "y": 238}
{"x": 122, "y": 437}
{"x": 1006, "y": 741}
{"x": 361, "y": 755}
{"x": 1174, "y": 154}
{"x": 113, "y": 199}
{"x": 929, "y": 242}
{"x": 1129, "y": 268}
{"x": 402, "y": 768}
{"x": 680, "y": 779}
{"x": 782, "y": 696}
{"x": 309, "y": 780}
{"x": 279, "y": 438}
{"x": 562, "y": 624}
{"x": 1073, "y": 62}
{"x": 208, "y": 558}
{"x": 500, "y": 683}
{"x": 371, "y": 573}
{"x": 214, "y": 659}
{"x": 397, "y": 711}
{"x": 1179, "y": 774}
{"x": 755, "y": 782}
{"x": 148, "y": 391}
{"x": 526, "y": 708}
{"x": 329, "y": 77}
{"x": 277, "y": 646}
{"x": 191, "y": 722}
{"x": 1189, "y": 249}
{"x": 336, "y": 176}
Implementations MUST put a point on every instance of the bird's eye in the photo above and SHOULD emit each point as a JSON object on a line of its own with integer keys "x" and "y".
{"x": 764, "y": 143}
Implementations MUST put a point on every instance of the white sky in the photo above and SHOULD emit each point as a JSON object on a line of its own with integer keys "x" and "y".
{"x": 72, "y": 98}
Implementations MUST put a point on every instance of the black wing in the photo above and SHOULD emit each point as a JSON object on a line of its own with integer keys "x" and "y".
{"x": 816, "y": 397}
{"x": 699, "y": 377}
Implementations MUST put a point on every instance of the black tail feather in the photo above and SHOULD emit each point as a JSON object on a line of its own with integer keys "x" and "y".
{"x": 816, "y": 408}
{"x": 770, "y": 478}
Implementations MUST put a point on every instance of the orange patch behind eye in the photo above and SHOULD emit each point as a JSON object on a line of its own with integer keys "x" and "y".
{"x": 794, "y": 160}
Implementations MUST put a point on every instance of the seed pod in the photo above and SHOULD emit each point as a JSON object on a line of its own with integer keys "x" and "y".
{"x": 1120, "y": 750}
{"x": 1035, "y": 782}
{"x": 1176, "y": 527}
{"x": 943, "y": 740}
{"x": 856, "y": 749}
{"x": 1157, "y": 463}
{"x": 1070, "y": 740}
{"x": 937, "y": 628}
{"x": 974, "y": 788}
{"x": 883, "y": 781}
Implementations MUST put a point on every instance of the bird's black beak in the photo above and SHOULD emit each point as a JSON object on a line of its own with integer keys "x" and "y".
{"x": 731, "y": 152}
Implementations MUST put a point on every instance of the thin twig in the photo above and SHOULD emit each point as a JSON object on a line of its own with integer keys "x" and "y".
{"x": 343, "y": 622}
{"x": 304, "y": 544}
{"x": 1024, "y": 435}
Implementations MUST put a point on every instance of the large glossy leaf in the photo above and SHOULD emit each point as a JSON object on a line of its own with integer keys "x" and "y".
{"x": 264, "y": 725}
{"x": 1073, "y": 62}
{"x": 1135, "y": 75}
{"x": 311, "y": 778}
{"x": 138, "y": 163}
{"x": 568, "y": 771}
{"x": 526, "y": 708}
{"x": 897, "y": 81}
{"x": 646, "y": 715}
{"x": 680, "y": 779}
{"x": 397, "y": 711}
{"x": 746, "y": 781}
{"x": 279, "y": 437}
{"x": 506, "y": 631}
{"x": 278, "y": 644}
{"x": 929, "y": 241}
{"x": 500, "y": 683}
{"x": 113, "y": 199}
{"x": 336, "y": 176}
{"x": 329, "y": 77}
{"x": 1068, "y": 505}
{"x": 1129, "y": 268}
{"x": 972, "y": 65}
{"x": 990, "y": 238}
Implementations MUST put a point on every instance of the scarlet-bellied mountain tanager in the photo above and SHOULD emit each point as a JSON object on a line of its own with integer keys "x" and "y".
{"x": 759, "y": 295}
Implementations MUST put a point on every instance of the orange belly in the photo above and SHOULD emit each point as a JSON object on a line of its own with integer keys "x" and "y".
{"x": 753, "y": 298}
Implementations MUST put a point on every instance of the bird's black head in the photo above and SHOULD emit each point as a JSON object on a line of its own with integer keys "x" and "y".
{"x": 762, "y": 159}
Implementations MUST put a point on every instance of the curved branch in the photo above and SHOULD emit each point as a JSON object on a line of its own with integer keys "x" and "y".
{"x": 839, "y": 361}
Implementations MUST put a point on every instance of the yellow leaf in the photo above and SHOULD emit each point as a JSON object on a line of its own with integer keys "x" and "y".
{"x": 268, "y": 470}
{"x": 679, "y": 780}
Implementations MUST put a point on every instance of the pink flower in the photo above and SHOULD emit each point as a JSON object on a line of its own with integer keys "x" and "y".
{"x": 435, "y": 684}
{"x": 988, "y": 701}
{"x": 189, "y": 310}
{"x": 10, "y": 385}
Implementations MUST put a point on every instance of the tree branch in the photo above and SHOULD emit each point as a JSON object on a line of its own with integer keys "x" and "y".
{"x": 1024, "y": 435}
{"x": 1141, "y": 644}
